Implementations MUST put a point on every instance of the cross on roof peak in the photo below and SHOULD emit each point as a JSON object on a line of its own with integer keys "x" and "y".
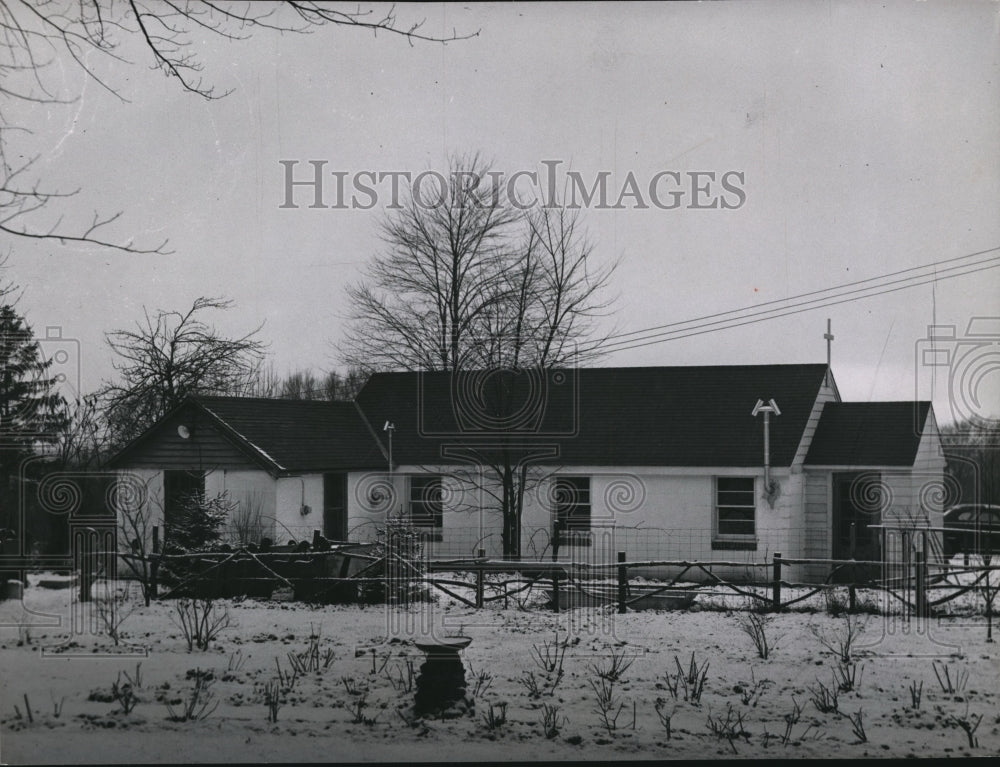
{"x": 828, "y": 335}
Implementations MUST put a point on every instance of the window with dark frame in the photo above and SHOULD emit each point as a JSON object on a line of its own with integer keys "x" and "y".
{"x": 426, "y": 505}
{"x": 735, "y": 509}
{"x": 571, "y": 496}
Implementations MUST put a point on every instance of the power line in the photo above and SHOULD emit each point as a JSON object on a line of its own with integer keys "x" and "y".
{"x": 796, "y": 311}
{"x": 733, "y": 318}
{"x": 932, "y": 265}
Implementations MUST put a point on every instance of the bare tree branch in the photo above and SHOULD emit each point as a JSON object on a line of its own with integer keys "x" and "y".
{"x": 170, "y": 355}
{"x": 478, "y": 285}
{"x": 34, "y": 35}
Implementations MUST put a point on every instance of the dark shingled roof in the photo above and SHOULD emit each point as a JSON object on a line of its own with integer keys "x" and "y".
{"x": 868, "y": 434}
{"x": 283, "y": 436}
{"x": 641, "y": 416}
{"x": 300, "y": 435}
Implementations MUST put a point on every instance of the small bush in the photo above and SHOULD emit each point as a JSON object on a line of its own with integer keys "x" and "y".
{"x": 756, "y": 625}
{"x": 614, "y": 667}
{"x": 551, "y": 721}
{"x": 200, "y": 702}
{"x": 730, "y": 728}
{"x": 841, "y": 642}
{"x": 200, "y": 621}
{"x": 858, "y": 726}
{"x": 824, "y": 698}
{"x": 496, "y": 717}
{"x": 948, "y": 684}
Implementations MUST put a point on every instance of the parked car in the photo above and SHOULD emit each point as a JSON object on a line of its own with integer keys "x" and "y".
{"x": 972, "y": 528}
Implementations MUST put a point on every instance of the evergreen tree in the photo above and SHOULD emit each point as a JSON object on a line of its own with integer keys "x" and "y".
{"x": 33, "y": 415}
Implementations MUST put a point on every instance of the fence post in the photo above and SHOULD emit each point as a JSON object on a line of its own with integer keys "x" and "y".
{"x": 481, "y": 554}
{"x": 905, "y": 558}
{"x": 920, "y": 594}
{"x": 776, "y": 585}
{"x": 852, "y": 594}
{"x": 622, "y": 582}
{"x": 555, "y": 590}
{"x": 154, "y": 565}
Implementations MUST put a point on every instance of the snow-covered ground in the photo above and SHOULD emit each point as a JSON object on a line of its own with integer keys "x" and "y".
{"x": 315, "y": 721}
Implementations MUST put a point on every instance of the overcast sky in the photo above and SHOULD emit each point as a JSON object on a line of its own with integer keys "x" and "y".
{"x": 866, "y": 136}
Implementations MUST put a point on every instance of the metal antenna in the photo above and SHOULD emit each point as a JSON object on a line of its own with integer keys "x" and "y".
{"x": 828, "y": 335}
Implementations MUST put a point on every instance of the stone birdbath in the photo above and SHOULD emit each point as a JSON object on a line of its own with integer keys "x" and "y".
{"x": 441, "y": 681}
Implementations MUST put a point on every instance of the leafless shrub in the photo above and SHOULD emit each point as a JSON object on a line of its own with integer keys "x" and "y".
{"x": 27, "y": 708}
{"x": 135, "y": 681}
{"x": 765, "y": 737}
{"x": 614, "y": 667}
{"x": 664, "y": 716}
{"x": 496, "y": 717}
{"x": 969, "y": 725}
{"x": 549, "y": 657}
{"x": 286, "y": 679}
{"x": 200, "y": 621}
{"x": 609, "y": 708}
{"x": 692, "y": 681}
{"x": 312, "y": 658}
{"x": 847, "y": 676}
{"x": 791, "y": 719}
{"x": 359, "y": 706}
{"x": 756, "y": 625}
{"x": 236, "y": 662}
{"x": 272, "y": 699}
{"x": 200, "y": 703}
{"x": 949, "y": 685}
{"x": 113, "y": 607}
{"x": 673, "y": 682}
{"x": 824, "y": 698}
{"x": 482, "y": 679}
{"x": 352, "y": 686}
{"x": 124, "y": 695}
{"x": 406, "y": 676}
{"x": 916, "y": 692}
{"x": 297, "y": 664}
{"x": 378, "y": 667}
{"x": 841, "y": 641}
{"x": 551, "y": 721}
{"x": 750, "y": 694}
{"x": 530, "y": 683}
{"x": 858, "y": 726}
{"x": 730, "y": 728}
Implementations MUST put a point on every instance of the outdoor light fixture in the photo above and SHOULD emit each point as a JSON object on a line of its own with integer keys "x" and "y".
{"x": 771, "y": 489}
{"x": 184, "y": 431}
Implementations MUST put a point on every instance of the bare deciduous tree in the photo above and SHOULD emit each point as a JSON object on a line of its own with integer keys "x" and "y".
{"x": 476, "y": 283}
{"x": 37, "y": 39}
{"x": 167, "y": 357}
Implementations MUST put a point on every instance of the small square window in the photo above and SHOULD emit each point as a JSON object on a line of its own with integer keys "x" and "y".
{"x": 571, "y": 501}
{"x": 735, "y": 507}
